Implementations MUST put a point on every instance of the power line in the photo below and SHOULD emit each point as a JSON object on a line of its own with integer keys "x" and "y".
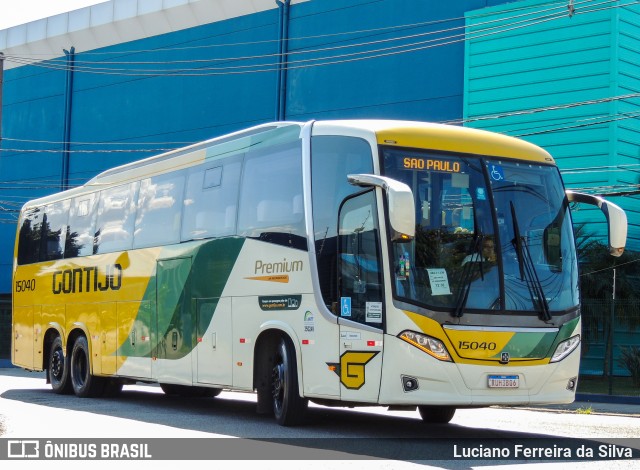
{"x": 174, "y": 144}
{"x": 86, "y": 151}
{"x": 328, "y": 60}
{"x": 543, "y": 109}
{"x": 165, "y": 149}
{"x": 343, "y": 33}
{"x": 610, "y": 268}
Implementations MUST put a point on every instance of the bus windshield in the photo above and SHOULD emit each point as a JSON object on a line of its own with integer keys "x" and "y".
{"x": 491, "y": 234}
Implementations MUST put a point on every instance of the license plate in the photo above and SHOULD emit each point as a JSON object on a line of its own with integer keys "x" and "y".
{"x": 504, "y": 381}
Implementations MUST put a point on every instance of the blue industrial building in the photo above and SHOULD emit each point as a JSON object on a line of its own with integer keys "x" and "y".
{"x": 125, "y": 79}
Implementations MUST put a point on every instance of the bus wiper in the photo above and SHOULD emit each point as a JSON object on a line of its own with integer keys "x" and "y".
{"x": 465, "y": 277}
{"x": 517, "y": 241}
{"x": 528, "y": 271}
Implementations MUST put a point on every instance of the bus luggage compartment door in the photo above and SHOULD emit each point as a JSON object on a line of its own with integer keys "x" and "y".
{"x": 175, "y": 321}
{"x": 214, "y": 349}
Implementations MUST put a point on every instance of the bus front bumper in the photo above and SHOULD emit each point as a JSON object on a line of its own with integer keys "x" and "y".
{"x": 412, "y": 377}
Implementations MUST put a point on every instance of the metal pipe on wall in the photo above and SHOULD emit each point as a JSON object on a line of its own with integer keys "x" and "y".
{"x": 66, "y": 141}
{"x": 1, "y": 86}
{"x": 283, "y": 50}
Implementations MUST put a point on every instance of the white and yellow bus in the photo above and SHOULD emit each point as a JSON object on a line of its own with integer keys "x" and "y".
{"x": 349, "y": 263}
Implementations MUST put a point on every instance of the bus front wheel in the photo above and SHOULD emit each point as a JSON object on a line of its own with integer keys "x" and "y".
{"x": 85, "y": 385}
{"x": 58, "y": 369}
{"x": 436, "y": 414}
{"x": 288, "y": 406}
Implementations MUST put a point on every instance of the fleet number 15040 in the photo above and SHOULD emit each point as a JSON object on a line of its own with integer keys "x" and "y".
{"x": 23, "y": 285}
{"x": 474, "y": 345}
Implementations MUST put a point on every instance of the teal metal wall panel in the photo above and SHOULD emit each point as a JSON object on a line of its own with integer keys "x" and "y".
{"x": 399, "y": 59}
{"x": 166, "y": 91}
{"x": 556, "y": 80}
{"x": 378, "y": 71}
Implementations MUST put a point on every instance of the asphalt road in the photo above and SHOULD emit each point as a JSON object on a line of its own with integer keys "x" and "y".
{"x": 331, "y": 437}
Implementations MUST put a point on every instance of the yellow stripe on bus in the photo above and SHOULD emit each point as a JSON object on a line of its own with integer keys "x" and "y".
{"x": 461, "y": 140}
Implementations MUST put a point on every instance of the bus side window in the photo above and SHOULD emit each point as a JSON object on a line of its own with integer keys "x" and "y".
{"x": 211, "y": 200}
{"x": 271, "y": 196}
{"x": 116, "y": 216}
{"x": 82, "y": 221}
{"x": 30, "y": 236}
{"x": 159, "y": 210}
{"x": 55, "y": 229}
{"x": 333, "y": 157}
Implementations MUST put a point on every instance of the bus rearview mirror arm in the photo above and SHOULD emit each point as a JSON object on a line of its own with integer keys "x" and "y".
{"x": 402, "y": 214}
{"x": 616, "y": 219}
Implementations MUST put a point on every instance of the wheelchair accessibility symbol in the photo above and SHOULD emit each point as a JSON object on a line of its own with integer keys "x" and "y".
{"x": 345, "y": 306}
{"x": 496, "y": 172}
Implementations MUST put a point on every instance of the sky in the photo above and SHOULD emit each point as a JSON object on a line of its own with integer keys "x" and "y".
{"x": 15, "y": 12}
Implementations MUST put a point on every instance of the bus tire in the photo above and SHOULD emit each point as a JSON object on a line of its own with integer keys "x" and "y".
{"x": 436, "y": 414}
{"x": 85, "y": 385}
{"x": 288, "y": 406}
{"x": 58, "y": 368}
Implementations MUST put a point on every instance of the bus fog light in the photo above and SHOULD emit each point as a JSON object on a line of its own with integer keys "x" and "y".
{"x": 409, "y": 384}
{"x": 431, "y": 346}
{"x": 565, "y": 348}
{"x": 571, "y": 384}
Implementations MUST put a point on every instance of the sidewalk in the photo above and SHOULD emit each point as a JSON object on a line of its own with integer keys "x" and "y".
{"x": 594, "y": 404}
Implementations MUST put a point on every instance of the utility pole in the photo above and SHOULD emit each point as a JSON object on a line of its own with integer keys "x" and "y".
{"x": 611, "y": 325}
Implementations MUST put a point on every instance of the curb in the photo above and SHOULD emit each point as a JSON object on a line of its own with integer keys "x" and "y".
{"x": 587, "y": 411}
{"x": 599, "y": 398}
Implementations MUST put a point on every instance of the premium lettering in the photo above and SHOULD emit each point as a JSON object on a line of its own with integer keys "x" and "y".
{"x": 88, "y": 279}
{"x": 280, "y": 267}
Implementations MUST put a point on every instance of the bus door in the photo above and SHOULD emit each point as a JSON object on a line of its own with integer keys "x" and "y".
{"x": 175, "y": 322}
{"x": 361, "y": 299}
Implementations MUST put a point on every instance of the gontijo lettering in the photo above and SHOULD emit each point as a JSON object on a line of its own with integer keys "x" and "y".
{"x": 88, "y": 279}
{"x": 430, "y": 164}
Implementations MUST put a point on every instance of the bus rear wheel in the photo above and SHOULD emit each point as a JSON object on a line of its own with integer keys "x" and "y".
{"x": 436, "y": 414}
{"x": 288, "y": 406}
{"x": 85, "y": 385}
{"x": 58, "y": 369}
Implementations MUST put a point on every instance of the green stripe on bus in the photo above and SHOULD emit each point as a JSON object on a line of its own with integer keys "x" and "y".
{"x": 188, "y": 279}
{"x": 537, "y": 345}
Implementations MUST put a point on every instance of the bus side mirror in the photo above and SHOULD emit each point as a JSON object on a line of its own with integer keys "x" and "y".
{"x": 616, "y": 219}
{"x": 402, "y": 214}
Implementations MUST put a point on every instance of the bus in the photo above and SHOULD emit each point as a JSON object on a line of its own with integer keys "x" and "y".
{"x": 344, "y": 262}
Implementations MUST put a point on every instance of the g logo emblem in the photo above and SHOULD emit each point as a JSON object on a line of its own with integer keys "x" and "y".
{"x": 351, "y": 368}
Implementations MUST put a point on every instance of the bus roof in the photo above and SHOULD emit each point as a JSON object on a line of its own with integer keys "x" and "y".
{"x": 399, "y": 133}
{"x": 445, "y": 137}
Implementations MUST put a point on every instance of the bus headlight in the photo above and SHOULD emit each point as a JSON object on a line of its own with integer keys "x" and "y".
{"x": 565, "y": 348}
{"x": 432, "y": 346}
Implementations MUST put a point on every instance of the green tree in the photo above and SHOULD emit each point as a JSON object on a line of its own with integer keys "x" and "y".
{"x": 596, "y": 290}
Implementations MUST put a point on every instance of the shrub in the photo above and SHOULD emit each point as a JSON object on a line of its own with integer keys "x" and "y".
{"x": 630, "y": 359}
